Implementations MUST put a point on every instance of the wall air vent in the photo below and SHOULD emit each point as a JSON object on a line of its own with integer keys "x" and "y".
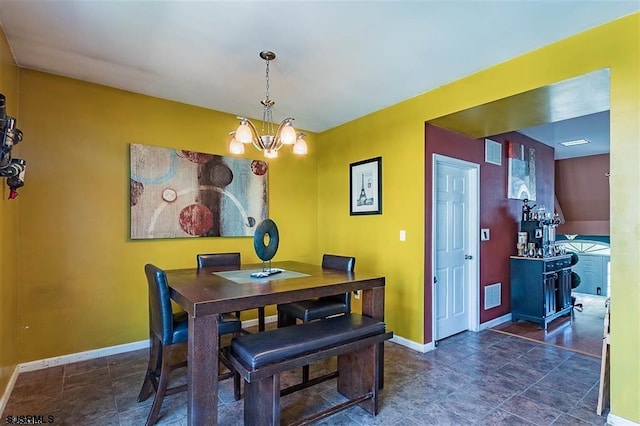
{"x": 492, "y": 296}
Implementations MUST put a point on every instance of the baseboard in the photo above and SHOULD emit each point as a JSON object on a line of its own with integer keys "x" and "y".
{"x": 8, "y": 389}
{"x": 495, "y": 322}
{"x": 614, "y": 420}
{"x": 419, "y": 347}
{"x": 254, "y": 322}
{"x": 81, "y": 356}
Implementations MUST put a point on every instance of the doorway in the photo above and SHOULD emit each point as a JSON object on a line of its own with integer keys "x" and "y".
{"x": 576, "y": 97}
{"x": 455, "y": 248}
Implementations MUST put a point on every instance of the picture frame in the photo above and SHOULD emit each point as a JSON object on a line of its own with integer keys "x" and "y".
{"x": 365, "y": 187}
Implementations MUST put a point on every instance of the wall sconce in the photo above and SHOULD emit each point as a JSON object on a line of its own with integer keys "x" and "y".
{"x": 11, "y": 168}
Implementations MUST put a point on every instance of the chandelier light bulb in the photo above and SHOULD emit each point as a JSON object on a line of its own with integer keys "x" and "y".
{"x": 288, "y": 134}
{"x": 236, "y": 147}
{"x": 243, "y": 133}
{"x": 300, "y": 147}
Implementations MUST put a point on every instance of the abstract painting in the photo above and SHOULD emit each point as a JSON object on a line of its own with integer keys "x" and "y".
{"x": 522, "y": 172}
{"x": 180, "y": 194}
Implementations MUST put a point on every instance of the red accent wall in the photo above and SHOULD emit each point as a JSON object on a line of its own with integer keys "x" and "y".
{"x": 497, "y": 212}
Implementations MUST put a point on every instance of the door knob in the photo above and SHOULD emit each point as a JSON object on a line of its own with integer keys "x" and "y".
{"x": 468, "y": 257}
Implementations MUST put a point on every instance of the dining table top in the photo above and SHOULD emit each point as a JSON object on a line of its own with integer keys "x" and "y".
{"x": 209, "y": 290}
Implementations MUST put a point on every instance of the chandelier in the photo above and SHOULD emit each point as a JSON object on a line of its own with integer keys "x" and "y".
{"x": 270, "y": 139}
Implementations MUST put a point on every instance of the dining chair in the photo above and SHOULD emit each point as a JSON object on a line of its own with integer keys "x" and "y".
{"x": 320, "y": 308}
{"x": 168, "y": 331}
{"x": 230, "y": 260}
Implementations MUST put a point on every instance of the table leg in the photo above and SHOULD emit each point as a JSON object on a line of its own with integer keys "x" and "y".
{"x": 202, "y": 371}
{"x": 373, "y": 306}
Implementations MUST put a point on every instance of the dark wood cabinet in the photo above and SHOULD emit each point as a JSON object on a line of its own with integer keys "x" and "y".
{"x": 540, "y": 288}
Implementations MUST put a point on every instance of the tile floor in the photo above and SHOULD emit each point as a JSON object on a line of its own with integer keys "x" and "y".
{"x": 485, "y": 378}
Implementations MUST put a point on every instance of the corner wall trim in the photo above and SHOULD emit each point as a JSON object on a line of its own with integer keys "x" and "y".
{"x": 8, "y": 389}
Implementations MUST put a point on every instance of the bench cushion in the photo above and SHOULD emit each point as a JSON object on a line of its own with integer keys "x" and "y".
{"x": 256, "y": 350}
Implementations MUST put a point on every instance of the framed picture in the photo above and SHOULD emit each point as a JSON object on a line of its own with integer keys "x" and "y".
{"x": 365, "y": 181}
{"x": 177, "y": 193}
{"x": 521, "y": 181}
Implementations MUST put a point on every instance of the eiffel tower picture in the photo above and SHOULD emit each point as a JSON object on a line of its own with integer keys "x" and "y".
{"x": 365, "y": 183}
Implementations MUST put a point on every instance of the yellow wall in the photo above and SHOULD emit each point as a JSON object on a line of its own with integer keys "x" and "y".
{"x": 8, "y": 233}
{"x": 82, "y": 283}
{"x": 397, "y": 133}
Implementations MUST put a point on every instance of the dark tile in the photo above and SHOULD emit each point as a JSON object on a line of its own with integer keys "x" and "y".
{"x": 567, "y": 420}
{"x": 561, "y": 398}
{"x": 502, "y": 383}
{"x": 85, "y": 366}
{"x": 501, "y": 417}
{"x": 536, "y": 412}
{"x": 46, "y": 376}
{"x": 127, "y": 368}
{"x": 437, "y": 414}
{"x": 466, "y": 406}
{"x": 125, "y": 390}
{"x": 521, "y": 371}
{"x": 93, "y": 378}
{"x": 450, "y": 353}
{"x": 480, "y": 364}
{"x": 585, "y": 410}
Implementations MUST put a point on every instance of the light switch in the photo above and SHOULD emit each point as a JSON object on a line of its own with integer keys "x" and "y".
{"x": 484, "y": 234}
{"x": 403, "y": 235}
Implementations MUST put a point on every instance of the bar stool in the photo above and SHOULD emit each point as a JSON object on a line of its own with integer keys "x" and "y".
{"x": 167, "y": 331}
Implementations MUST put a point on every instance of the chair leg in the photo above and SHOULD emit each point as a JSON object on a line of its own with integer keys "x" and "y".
{"x": 305, "y": 373}
{"x": 261, "y": 319}
{"x": 152, "y": 369}
{"x": 285, "y": 320}
{"x": 165, "y": 371}
{"x": 236, "y": 386}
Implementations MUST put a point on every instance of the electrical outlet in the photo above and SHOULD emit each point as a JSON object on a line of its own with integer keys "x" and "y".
{"x": 356, "y": 294}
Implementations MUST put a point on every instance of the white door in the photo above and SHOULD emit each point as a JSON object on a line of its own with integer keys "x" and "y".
{"x": 453, "y": 246}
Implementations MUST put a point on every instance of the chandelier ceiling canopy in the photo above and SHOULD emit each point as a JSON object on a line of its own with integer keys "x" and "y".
{"x": 271, "y": 138}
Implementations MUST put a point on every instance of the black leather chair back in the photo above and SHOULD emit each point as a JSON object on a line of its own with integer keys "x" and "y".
{"x": 218, "y": 259}
{"x": 160, "y": 313}
{"x": 343, "y": 263}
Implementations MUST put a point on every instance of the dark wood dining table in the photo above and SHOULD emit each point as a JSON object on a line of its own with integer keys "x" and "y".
{"x": 205, "y": 293}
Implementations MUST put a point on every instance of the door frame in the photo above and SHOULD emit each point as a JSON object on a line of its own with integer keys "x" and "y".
{"x": 473, "y": 223}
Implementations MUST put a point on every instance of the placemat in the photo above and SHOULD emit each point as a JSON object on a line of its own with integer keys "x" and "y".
{"x": 244, "y": 276}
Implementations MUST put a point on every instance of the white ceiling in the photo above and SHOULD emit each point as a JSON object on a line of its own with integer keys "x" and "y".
{"x": 336, "y": 60}
{"x": 592, "y": 127}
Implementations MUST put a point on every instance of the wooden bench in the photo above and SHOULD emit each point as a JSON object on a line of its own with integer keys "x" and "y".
{"x": 261, "y": 357}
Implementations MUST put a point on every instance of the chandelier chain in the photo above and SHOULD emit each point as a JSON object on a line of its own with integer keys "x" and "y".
{"x": 267, "y": 115}
{"x": 267, "y": 80}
